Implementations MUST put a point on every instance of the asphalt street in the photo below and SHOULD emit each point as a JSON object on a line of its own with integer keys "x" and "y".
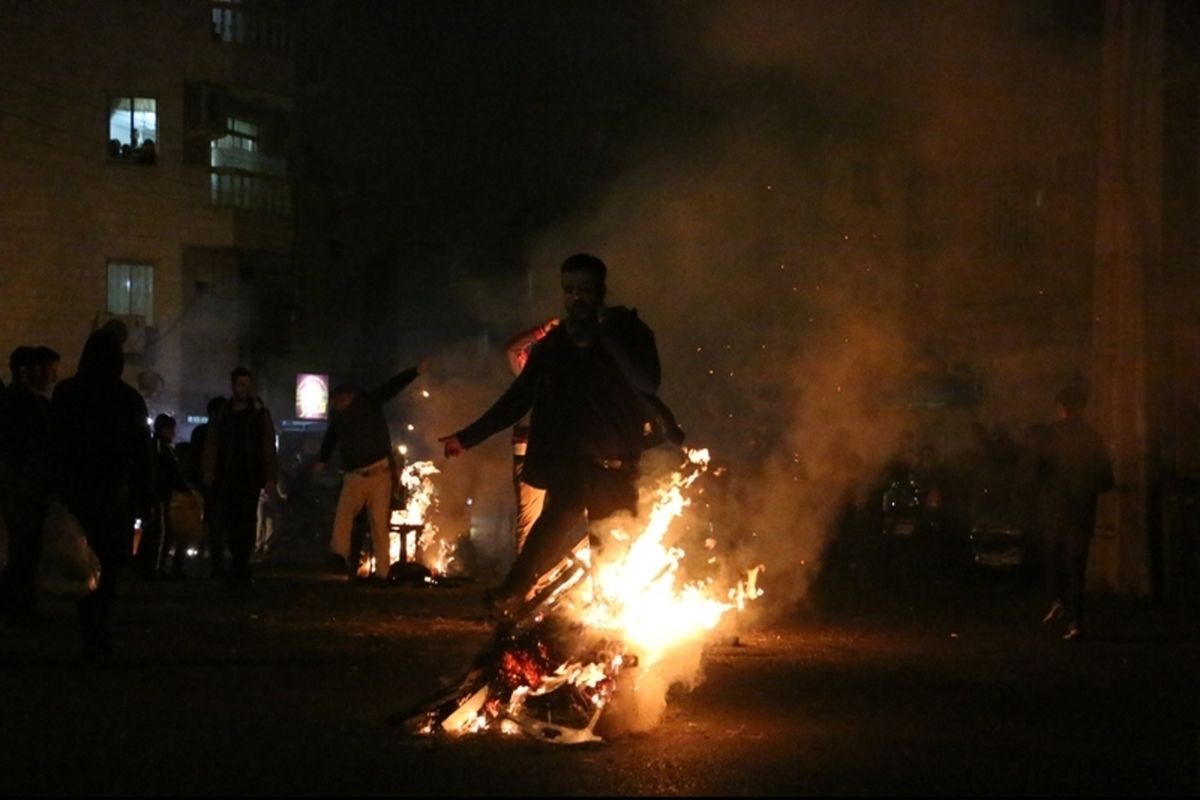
{"x": 881, "y": 683}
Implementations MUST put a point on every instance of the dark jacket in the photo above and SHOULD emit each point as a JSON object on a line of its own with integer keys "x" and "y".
{"x": 167, "y": 476}
{"x": 194, "y": 464}
{"x": 1076, "y": 470}
{"x": 26, "y": 455}
{"x": 239, "y": 450}
{"x": 587, "y": 403}
{"x": 360, "y": 429}
{"x": 99, "y": 430}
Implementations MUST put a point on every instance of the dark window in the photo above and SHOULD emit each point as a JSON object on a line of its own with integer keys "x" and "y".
{"x": 1064, "y": 17}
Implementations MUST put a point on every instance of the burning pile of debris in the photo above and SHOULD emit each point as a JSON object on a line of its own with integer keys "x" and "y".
{"x": 417, "y": 553}
{"x": 592, "y": 634}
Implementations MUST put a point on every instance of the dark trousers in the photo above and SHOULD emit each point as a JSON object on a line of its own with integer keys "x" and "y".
{"x": 109, "y": 531}
{"x": 1066, "y": 568}
{"x": 157, "y": 541}
{"x": 239, "y": 518}
{"x": 215, "y": 533}
{"x": 585, "y": 489}
{"x": 171, "y": 543}
{"x": 24, "y": 519}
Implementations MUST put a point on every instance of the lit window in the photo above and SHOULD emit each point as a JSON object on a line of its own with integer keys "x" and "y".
{"x": 228, "y": 22}
{"x": 133, "y": 129}
{"x": 242, "y": 135}
{"x": 251, "y": 24}
{"x": 131, "y": 290}
{"x": 245, "y": 177}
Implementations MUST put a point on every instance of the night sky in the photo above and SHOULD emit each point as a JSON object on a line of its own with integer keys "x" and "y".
{"x": 465, "y": 120}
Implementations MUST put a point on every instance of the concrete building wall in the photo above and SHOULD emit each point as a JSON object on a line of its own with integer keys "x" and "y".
{"x": 67, "y": 208}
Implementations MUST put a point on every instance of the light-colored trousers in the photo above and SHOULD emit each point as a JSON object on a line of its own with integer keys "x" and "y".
{"x": 529, "y": 504}
{"x": 370, "y": 486}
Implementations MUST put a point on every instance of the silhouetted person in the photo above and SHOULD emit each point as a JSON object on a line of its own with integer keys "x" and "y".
{"x": 359, "y": 429}
{"x": 213, "y": 529}
{"x": 118, "y": 329}
{"x": 102, "y": 447}
{"x": 168, "y": 479}
{"x": 1076, "y": 470}
{"x": 585, "y": 385}
{"x": 239, "y": 463}
{"x": 530, "y": 499}
{"x": 26, "y": 474}
{"x": 18, "y": 365}
{"x": 147, "y": 153}
{"x": 1026, "y": 488}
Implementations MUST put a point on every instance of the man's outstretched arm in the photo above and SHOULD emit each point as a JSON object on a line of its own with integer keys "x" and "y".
{"x": 395, "y": 384}
{"x": 504, "y": 413}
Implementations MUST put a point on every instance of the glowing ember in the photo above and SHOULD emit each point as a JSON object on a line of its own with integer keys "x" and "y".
{"x": 747, "y": 589}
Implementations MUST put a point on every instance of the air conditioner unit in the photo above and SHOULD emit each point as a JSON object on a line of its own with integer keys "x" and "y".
{"x": 135, "y": 330}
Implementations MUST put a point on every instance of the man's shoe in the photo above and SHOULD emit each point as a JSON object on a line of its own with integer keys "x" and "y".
{"x": 335, "y": 564}
{"x": 1054, "y": 613}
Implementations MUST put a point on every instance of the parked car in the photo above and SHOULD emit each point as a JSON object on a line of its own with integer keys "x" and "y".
{"x": 998, "y": 544}
{"x": 911, "y": 506}
{"x": 999, "y": 529}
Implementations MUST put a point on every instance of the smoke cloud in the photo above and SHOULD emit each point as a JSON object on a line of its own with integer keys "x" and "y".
{"x": 798, "y": 222}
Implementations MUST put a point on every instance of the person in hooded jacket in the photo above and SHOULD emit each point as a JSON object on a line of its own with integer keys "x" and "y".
{"x": 102, "y": 452}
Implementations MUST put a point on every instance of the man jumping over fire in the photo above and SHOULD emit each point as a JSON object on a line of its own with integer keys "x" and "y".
{"x": 590, "y": 386}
